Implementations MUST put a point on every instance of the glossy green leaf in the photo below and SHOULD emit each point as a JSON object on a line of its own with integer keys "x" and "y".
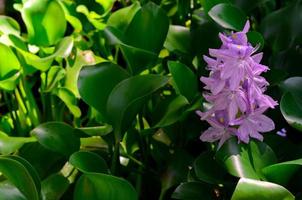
{"x": 292, "y": 85}
{"x": 185, "y": 80}
{"x": 97, "y": 130}
{"x": 245, "y": 160}
{"x": 94, "y": 186}
{"x": 96, "y": 82}
{"x": 291, "y": 109}
{"x": 208, "y": 169}
{"x": 9, "y": 144}
{"x": 209, "y": 4}
{"x": 249, "y": 189}
{"x": 122, "y": 17}
{"x": 69, "y": 99}
{"x": 73, "y": 69}
{"x": 9, "y": 192}
{"x": 126, "y": 98}
{"x": 193, "y": 190}
{"x": 228, "y": 16}
{"x": 143, "y": 38}
{"x": 9, "y": 26}
{"x": 50, "y": 17}
{"x": 9, "y": 66}
{"x": 281, "y": 28}
{"x": 20, "y": 176}
{"x": 54, "y": 186}
{"x": 281, "y": 173}
{"x": 58, "y": 137}
{"x": 148, "y": 28}
{"x": 86, "y": 161}
{"x": 170, "y": 110}
{"x": 178, "y": 39}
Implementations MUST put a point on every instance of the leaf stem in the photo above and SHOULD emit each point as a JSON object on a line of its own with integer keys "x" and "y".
{"x": 116, "y": 153}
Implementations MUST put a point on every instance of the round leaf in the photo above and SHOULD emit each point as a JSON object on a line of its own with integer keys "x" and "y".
{"x": 178, "y": 39}
{"x": 94, "y": 186}
{"x": 86, "y": 161}
{"x": 249, "y": 189}
{"x": 291, "y": 109}
{"x": 58, "y": 137}
{"x": 101, "y": 77}
{"x": 246, "y": 160}
{"x": 282, "y": 172}
{"x": 126, "y": 98}
{"x": 228, "y": 16}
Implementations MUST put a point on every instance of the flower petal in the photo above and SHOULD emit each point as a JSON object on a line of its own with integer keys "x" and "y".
{"x": 262, "y": 123}
{"x": 211, "y": 135}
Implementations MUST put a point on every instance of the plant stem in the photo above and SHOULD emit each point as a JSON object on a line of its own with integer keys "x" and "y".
{"x": 116, "y": 153}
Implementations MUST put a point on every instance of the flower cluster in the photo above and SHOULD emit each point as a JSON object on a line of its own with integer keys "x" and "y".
{"x": 236, "y": 91}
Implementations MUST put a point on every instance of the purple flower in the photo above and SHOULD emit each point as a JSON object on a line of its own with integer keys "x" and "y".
{"x": 236, "y": 91}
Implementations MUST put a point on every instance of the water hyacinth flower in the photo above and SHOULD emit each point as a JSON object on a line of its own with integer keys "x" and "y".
{"x": 236, "y": 91}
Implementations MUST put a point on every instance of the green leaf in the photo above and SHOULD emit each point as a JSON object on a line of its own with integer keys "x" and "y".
{"x": 96, "y": 82}
{"x": 193, "y": 190}
{"x": 148, "y": 28}
{"x": 292, "y": 85}
{"x": 9, "y": 26}
{"x": 126, "y": 98}
{"x": 169, "y": 111}
{"x": 86, "y": 161}
{"x": 281, "y": 28}
{"x": 50, "y": 17}
{"x": 228, "y": 16}
{"x": 69, "y": 99}
{"x": 9, "y": 144}
{"x": 74, "y": 67}
{"x": 54, "y": 186}
{"x": 291, "y": 109}
{"x": 179, "y": 39}
{"x": 246, "y": 160}
{"x": 97, "y": 130}
{"x": 143, "y": 38}
{"x": 20, "y": 176}
{"x": 58, "y": 137}
{"x": 249, "y": 189}
{"x": 94, "y": 186}
{"x": 63, "y": 49}
{"x": 122, "y": 17}
{"x": 281, "y": 173}
{"x": 9, "y": 68}
{"x": 185, "y": 80}
{"x": 209, "y": 4}
{"x": 9, "y": 192}
{"x": 208, "y": 169}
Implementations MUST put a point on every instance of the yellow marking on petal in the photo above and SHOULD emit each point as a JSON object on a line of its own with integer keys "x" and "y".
{"x": 234, "y": 36}
{"x": 221, "y": 120}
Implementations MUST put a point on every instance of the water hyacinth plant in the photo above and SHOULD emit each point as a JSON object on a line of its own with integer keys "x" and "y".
{"x": 98, "y": 99}
{"x": 236, "y": 91}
